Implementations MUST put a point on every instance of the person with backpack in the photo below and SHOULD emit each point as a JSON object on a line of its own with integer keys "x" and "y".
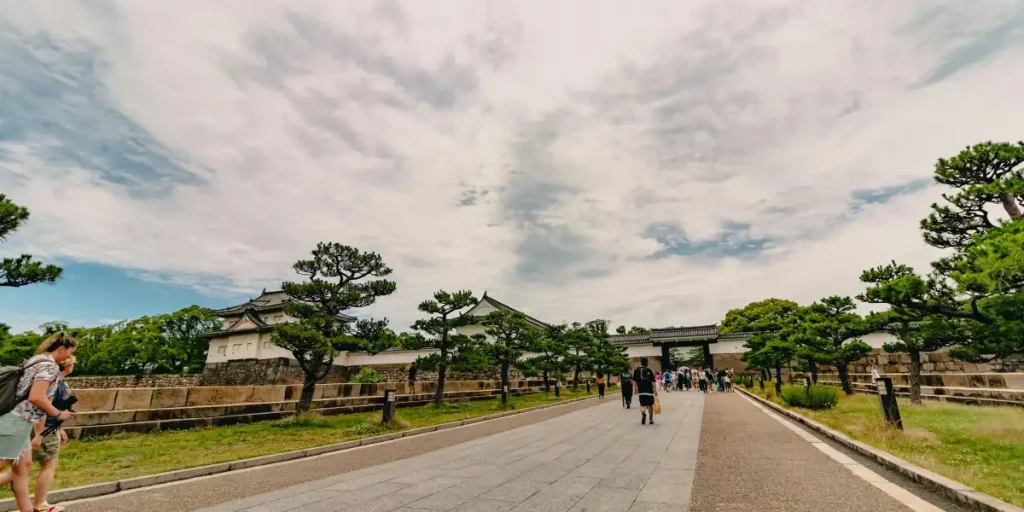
{"x": 644, "y": 380}
{"x": 26, "y": 392}
{"x": 627, "y": 389}
{"x": 53, "y": 436}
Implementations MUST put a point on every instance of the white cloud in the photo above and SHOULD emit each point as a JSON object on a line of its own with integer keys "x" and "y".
{"x": 525, "y": 150}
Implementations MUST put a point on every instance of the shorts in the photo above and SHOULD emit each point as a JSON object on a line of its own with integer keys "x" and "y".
{"x": 646, "y": 400}
{"x": 15, "y": 436}
{"x": 50, "y": 447}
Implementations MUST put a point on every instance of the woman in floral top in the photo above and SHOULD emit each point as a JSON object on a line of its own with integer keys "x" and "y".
{"x": 20, "y": 428}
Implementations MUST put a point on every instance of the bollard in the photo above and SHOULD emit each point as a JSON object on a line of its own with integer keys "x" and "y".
{"x": 389, "y": 406}
{"x": 887, "y": 398}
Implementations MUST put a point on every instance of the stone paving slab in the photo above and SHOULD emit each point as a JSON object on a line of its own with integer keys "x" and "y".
{"x": 595, "y": 459}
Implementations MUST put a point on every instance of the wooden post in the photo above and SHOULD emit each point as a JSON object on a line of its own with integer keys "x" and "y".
{"x": 557, "y": 391}
{"x": 887, "y": 398}
{"x": 390, "y": 403}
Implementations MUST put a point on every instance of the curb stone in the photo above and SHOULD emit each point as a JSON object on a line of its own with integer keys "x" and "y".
{"x": 950, "y": 488}
{"x": 106, "y": 488}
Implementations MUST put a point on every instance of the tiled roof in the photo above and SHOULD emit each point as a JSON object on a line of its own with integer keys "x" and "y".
{"x": 267, "y": 301}
{"x": 630, "y": 339}
{"x": 699, "y": 332}
{"x": 734, "y": 335}
{"x": 501, "y": 305}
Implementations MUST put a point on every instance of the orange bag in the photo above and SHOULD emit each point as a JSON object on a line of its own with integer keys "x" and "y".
{"x": 657, "y": 406}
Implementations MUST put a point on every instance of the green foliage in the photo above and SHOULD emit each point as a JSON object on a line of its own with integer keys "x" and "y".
{"x": 367, "y": 375}
{"x": 632, "y": 330}
{"x": 814, "y": 397}
{"x": 689, "y": 356}
{"x": 435, "y": 332}
{"x": 986, "y": 176}
{"x": 552, "y": 349}
{"x": 336, "y": 281}
{"x": 607, "y": 358}
{"x": 21, "y": 270}
{"x": 512, "y": 336}
{"x": 167, "y": 343}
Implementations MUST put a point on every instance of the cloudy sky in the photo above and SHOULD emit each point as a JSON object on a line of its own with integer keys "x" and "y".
{"x": 653, "y": 163}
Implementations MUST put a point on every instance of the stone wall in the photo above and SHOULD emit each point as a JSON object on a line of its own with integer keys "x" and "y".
{"x": 400, "y": 373}
{"x": 932, "y": 362}
{"x": 251, "y": 372}
{"x": 129, "y": 381}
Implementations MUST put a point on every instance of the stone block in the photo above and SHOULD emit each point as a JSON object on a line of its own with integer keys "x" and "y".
{"x": 928, "y": 367}
{"x": 1014, "y": 380}
{"x": 996, "y": 381}
{"x": 101, "y": 418}
{"x": 220, "y": 395}
{"x": 984, "y": 367}
{"x": 268, "y": 394}
{"x": 330, "y": 391}
{"x": 164, "y": 398}
{"x": 94, "y": 399}
{"x": 904, "y": 358}
{"x": 956, "y": 380}
{"x": 940, "y": 367}
{"x": 131, "y": 399}
{"x": 292, "y": 392}
{"x": 970, "y": 368}
{"x": 85, "y": 491}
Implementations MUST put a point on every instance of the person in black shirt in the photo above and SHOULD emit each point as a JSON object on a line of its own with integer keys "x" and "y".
{"x": 643, "y": 382}
{"x": 627, "y": 389}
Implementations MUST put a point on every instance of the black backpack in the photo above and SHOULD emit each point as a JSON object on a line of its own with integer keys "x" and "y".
{"x": 10, "y": 376}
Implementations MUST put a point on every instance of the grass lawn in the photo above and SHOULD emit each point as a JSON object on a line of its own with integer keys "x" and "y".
{"x": 980, "y": 446}
{"x": 121, "y": 456}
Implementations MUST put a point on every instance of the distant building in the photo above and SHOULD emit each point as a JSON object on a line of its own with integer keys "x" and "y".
{"x": 246, "y": 329}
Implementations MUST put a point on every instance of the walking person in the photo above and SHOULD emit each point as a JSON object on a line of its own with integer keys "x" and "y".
{"x": 626, "y": 380}
{"x": 644, "y": 381}
{"x": 48, "y": 451}
{"x": 666, "y": 380}
{"x": 627, "y": 389}
{"x": 20, "y": 428}
{"x": 600, "y": 384}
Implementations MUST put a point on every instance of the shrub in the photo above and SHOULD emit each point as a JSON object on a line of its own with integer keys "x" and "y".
{"x": 816, "y": 397}
{"x": 367, "y": 376}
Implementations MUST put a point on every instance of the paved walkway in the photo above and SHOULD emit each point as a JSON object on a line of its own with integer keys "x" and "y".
{"x": 749, "y": 461}
{"x": 718, "y": 452}
{"x": 596, "y": 459}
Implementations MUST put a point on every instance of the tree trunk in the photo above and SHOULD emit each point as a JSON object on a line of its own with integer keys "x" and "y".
{"x": 504, "y": 382}
{"x": 442, "y": 370}
{"x": 576, "y": 377}
{"x": 814, "y": 372}
{"x": 778, "y": 380}
{"x": 306, "y": 397}
{"x": 844, "y": 376}
{"x": 547, "y": 385}
{"x": 915, "y": 377}
{"x": 1011, "y": 207}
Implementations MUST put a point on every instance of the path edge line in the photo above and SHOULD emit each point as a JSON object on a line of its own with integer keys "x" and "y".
{"x": 107, "y": 488}
{"x": 950, "y": 488}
